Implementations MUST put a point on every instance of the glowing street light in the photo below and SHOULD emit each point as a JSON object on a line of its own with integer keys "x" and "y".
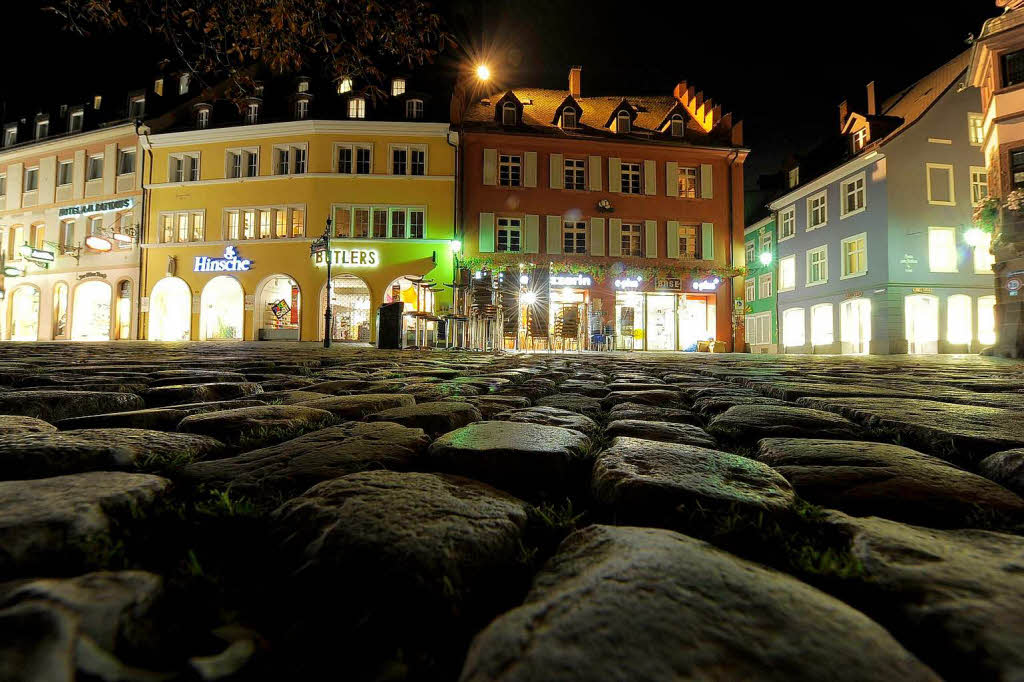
{"x": 483, "y": 73}
{"x": 529, "y": 297}
{"x": 455, "y": 245}
{"x": 974, "y": 237}
{"x": 766, "y": 258}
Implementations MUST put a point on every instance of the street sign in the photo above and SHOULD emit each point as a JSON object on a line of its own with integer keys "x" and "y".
{"x": 318, "y": 246}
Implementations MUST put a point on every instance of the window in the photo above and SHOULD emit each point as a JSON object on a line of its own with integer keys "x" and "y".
{"x": 408, "y": 160}
{"x": 95, "y": 225}
{"x": 418, "y": 162}
{"x": 793, "y": 177}
{"x": 137, "y": 107}
{"x": 855, "y": 255}
{"x": 574, "y": 235}
{"x": 364, "y": 160}
{"x": 10, "y": 135}
{"x": 182, "y": 226}
{"x": 853, "y": 193}
{"x": 987, "y": 320}
{"x": 688, "y": 182}
{"x": 203, "y": 118}
{"x": 354, "y": 158}
{"x": 787, "y": 223}
{"x": 345, "y": 160}
{"x": 750, "y": 252}
{"x": 290, "y": 159}
{"x": 689, "y": 245}
{"x": 64, "y": 172}
{"x": 233, "y": 225}
{"x": 183, "y": 84}
{"x": 1013, "y": 68}
{"x": 942, "y": 256}
{"x": 398, "y": 223}
{"x": 198, "y": 227}
{"x": 787, "y": 273}
{"x": 1017, "y": 168}
{"x": 983, "y": 260}
{"x": 248, "y": 224}
{"x": 976, "y": 129}
{"x": 300, "y": 160}
{"x": 167, "y": 229}
{"x": 758, "y": 329}
{"x": 397, "y": 87}
{"x": 75, "y": 120}
{"x": 979, "y": 184}
{"x": 822, "y": 322}
{"x": 357, "y": 107}
{"x": 265, "y": 224}
{"x": 793, "y": 327}
{"x": 569, "y": 118}
{"x": 622, "y": 122}
{"x": 508, "y": 114}
{"x": 575, "y": 174}
{"x": 42, "y": 128}
{"x": 860, "y": 138}
{"x": 632, "y": 239}
{"x": 509, "y": 234}
{"x": 280, "y": 226}
{"x": 676, "y": 126}
{"x": 766, "y": 242}
{"x": 252, "y": 113}
{"x": 940, "y": 184}
{"x": 158, "y": 86}
{"x": 283, "y": 161}
{"x": 94, "y": 169}
{"x": 31, "y": 180}
{"x": 630, "y": 178}
{"x": 344, "y": 85}
{"x": 817, "y": 211}
{"x": 361, "y": 223}
{"x": 510, "y": 170}
{"x": 958, "y": 318}
{"x": 414, "y": 109}
{"x": 749, "y": 289}
{"x": 66, "y": 234}
{"x": 243, "y": 163}
{"x": 298, "y": 222}
{"x": 126, "y": 161}
{"x": 416, "y": 223}
{"x": 380, "y": 223}
{"x": 3, "y": 185}
{"x": 301, "y": 109}
{"x": 817, "y": 266}
{"x": 764, "y": 286}
{"x": 184, "y": 167}
{"x": 183, "y": 231}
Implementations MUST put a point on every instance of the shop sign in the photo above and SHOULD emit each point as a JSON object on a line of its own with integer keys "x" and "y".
{"x": 853, "y": 294}
{"x": 96, "y": 207}
{"x": 352, "y": 258}
{"x": 628, "y": 283}
{"x": 230, "y": 262}
{"x": 98, "y": 243}
{"x": 670, "y": 283}
{"x": 707, "y": 284}
{"x": 921, "y": 290}
{"x": 40, "y": 254}
{"x": 570, "y": 281}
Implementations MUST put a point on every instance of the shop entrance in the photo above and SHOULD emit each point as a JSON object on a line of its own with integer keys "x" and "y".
{"x": 60, "y": 310}
{"x": 697, "y": 321}
{"x": 418, "y": 307}
{"x": 170, "y": 311}
{"x": 568, "y": 317}
{"x": 25, "y": 314}
{"x": 661, "y": 321}
{"x": 123, "y": 310}
{"x": 922, "y": 313}
{"x": 90, "y": 312}
{"x": 350, "y": 309}
{"x": 629, "y": 320}
{"x": 221, "y": 315}
{"x": 855, "y": 326}
{"x": 279, "y": 306}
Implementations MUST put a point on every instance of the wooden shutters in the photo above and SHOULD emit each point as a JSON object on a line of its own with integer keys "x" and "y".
{"x": 651, "y": 238}
{"x": 597, "y": 236}
{"x": 555, "y": 171}
{"x": 531, "y": 240}
{"x": 650, "y": 179}
{"x": 707, "y": 189}
{"x": 614, "y": 175}
{"x": 615, "y": 237}
{"x": 707, "y": 241}
{"x": 554, "y": 234}
{"x": 672, "y": 239}
{"x": 486, "y": 229}
{"x": 671, "y": 179}
{"x": 530, "y": 170}
{"x": 490, "y": 166}
{"x": 594, "y": 170}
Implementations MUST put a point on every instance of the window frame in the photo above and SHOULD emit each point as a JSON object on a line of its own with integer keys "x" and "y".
{"x": 823, "y": 196}
{"x": 631, "y": 231}
{"x": 66, "y": 163}
{"x": 782, "y": 280}
{"x": 398, "y": 86}
{"x": 621, "y": 116}
{"x": 506, "y": 108}
{"x": 788, "y": 212}
{"x": 762, "y": 280}
{"x": 750, "y": 289}
{"x": 122, "y": 154}
{"x": 410, "y": 150}
{"x": 356, "y": 108}
{"x": 832, "y": 322}
{"x": 861, "y": 177}
{"x": 974, "y": 184}
{"x": 509, "y": 229}
{"x": 25, "y": 188}
{"x": 627, "y": 170}
{"x": 676, "y": 119}
{"x": 975, "y": 122}
{"x": 411, "y": 214}
{"x": 414, "y": 109}
{"x": 88, "y": 167}
{"x": 239, "y": 213}
{"x": 750, "y": 251}
{"x": 790, "y": 312}
{"x": 355, "y": 147}
{"x": 569, "y": 114}
{"x": 982, "y": 250}
{"x": 578, "y": 171}
{"x": 938, "y": 229}
{"x": 822, "y": 266}
{"x": 574, "y": 232}
{"x": 843, "y": 253}
{"x": 688, "y": 183}
{"x": 191, "y": 168}
{"x": 511, "y": 162}
{"x": 294, "y": 158}
{"x": 928, "y": 183}
{"x": 859, "y": 139}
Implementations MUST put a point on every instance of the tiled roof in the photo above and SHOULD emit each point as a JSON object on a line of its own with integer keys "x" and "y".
{"x": 911, "y": 103}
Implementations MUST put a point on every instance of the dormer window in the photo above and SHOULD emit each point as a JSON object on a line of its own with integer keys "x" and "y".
{"x": 676, "y": 126}
{"x": 344, "y": 85}
{"x": 137, "y": 106}
{"x": 42, "y": 128}
{"x": 75, "y": 121}
{"x": 397, "y": 87}
{"x": 622, "y": 122}
{"x": 252, "y": 112}
{"x": 569, "y": 118}
{"x": 357, "y": 107}
{"x": 11, "y": 135}
{"x": 158, "y": 86}
{"x": 508, "y": 114}
{"x": 303, "y": 86}
{"x": 202, "y": 117}
{"x": 860, "y": 138}
{"x": 183, "y": 82}
{"x": 793, "y": 179}
{"x": 414, "y": 109}
{"x": 301, "y": 109}
{"x": 97, "y": 101}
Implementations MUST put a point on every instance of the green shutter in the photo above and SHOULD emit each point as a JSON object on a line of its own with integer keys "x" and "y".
{"x": 707, "y": 241}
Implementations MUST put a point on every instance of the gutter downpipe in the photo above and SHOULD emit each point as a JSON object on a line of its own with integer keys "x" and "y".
{"x": 143, "y": 224}
{"x": 731, "y": 262}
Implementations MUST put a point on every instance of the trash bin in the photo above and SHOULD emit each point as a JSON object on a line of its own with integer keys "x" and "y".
{"x": 389, "y": 325}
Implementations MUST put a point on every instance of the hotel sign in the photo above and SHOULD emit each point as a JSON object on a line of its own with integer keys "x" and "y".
{"x": 351, "y": 258}
{"x": 96, "y": 207}
{"x": 230, "y": 262}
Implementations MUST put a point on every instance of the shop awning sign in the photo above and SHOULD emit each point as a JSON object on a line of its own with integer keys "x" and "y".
{"x": 571, "y": 281}
{"x": 96, "y": 207}
{"x": 351, "y": 258}
{"x": 669, "y": 283}
{"x": 706, "y": 284}
{"x": 230, "y": 262}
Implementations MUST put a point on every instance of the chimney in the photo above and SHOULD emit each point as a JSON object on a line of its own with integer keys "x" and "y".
{"x": 871, "y": 99}
{"x": 842, "y": 114}
{"x": 575, "y": 73}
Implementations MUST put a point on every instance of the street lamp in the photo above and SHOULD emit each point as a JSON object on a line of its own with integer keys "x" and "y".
{"x": 766, "y": 258}
{"x": 323, "y": 245}
{"x": 483, "y": 73}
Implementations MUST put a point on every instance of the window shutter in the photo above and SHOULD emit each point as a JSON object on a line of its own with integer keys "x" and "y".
{"x": 651, "y": 238}
{"x": 594, "y": 171}
{"x": 530, "y": 173}
{"x": 486, "y": 228}
{"x": 490, "y": 166}
{"x": 555, "y": 171}
{"x": 672, "y": 239}
{"x": 650, "y": 179}
{"x": 15, "y": 181}
{"x": 615, "y": 237}
{"x": 554, "y": 234}
{"x": 77, "y": 178}
{"x": 707, "y": 190}
{"x": 109, "y": 168}
{"x": 47, "y": 179}
{"x": 614, "y": 175}
{"x": 532, "y": 238}
{"x": 597, "y": 236}
{"x": 707, "y": 241}
{"x": 671, "y": 179}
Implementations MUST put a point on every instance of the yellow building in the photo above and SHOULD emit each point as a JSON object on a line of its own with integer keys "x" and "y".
{"x": 232, "y": 213}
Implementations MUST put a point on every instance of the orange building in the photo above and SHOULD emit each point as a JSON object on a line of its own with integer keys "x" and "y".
{"x": 620, "y": 212}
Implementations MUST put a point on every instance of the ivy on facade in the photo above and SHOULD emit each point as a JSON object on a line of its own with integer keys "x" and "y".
{"x": 600, "y": 269}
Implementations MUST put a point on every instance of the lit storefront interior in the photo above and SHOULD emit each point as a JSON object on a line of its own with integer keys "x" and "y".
{"x": 222, "y": 304}
{"x": 793, "y": 328}
{"x": 417, "y": 298}
{"x": 60, "y": 310}
{"x": 987, "y": 320}
{"x": 123, "y": 311}
{"x": 855, "y": 326}
{"x": 822, "y": 333}
{"x": 664, "y": 321}
{"x": 278, "y": 308}
{"x": 958, "y": 320}
{"x": 922, "y": 323}
{"x": 170, "y": 310}
{"x": 25, "y": 314}
{"x": 350, "y": 309}
{"x": 90, "y": 312}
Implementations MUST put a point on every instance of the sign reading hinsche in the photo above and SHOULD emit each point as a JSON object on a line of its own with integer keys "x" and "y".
{"x": 97, "y": 207}
{"x": 352, "y": 258}
{"x": 230, "y": 262}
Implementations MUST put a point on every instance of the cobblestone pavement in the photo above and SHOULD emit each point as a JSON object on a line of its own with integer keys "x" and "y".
{"x": 285, "y": 512}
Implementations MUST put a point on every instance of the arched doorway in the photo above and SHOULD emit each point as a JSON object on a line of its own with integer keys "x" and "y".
{"x": 25, "y": 314}
{"x": 415, "y": 299}
{"x": 855, "y": 326}
{"x": 90, "y": 312}
{"x": 221, "y": 314}
{"x": 922, "y": 322}
{"x": 60, "y": 310}
{"x": 278, "y": 309}
{"x": 350, "y": 309}
{"x": 170, "y": 310}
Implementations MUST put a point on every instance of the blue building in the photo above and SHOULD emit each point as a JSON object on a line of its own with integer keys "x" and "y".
{"x": 877, "y": 253}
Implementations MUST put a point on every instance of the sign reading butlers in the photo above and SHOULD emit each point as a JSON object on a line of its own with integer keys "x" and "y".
{"x": 350, "y": 258}
{"x": 96, "y": 207}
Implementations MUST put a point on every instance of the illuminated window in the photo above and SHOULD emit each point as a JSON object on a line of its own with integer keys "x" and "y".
{"x": 987, "y": 320}
{"x": 689, "y": 245}
{"x": 357, "y": 107}
{"x": 958, "y": 319}
{"x": 821, "y": 324}
{"x": 397, "y": 87}
{"x": 344, "y": 85}
{"x": 688, "y": 182}
{"x": 983, "y": 258}
{"x": 855, "y": 255}
{"x": 787, "y": 273}
{"x": 860, "y": 138}
{"x": 976, "y": 128}
{"x": 793, "y": 327}
{"x": 942, "y": 255}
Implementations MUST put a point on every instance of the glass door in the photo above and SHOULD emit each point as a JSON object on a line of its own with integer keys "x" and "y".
{"x": 922, "y": 313}
{"x": 661, "y": 321}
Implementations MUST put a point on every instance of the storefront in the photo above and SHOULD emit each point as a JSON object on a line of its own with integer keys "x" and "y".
{"x": 661, "y": 315}
{"x": 25, "y": 313}
{"x": 279, "y": 306}
{"x": 90, "y": 316}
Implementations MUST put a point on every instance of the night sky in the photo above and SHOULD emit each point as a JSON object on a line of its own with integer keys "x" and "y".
{"x": 781, "y": 67}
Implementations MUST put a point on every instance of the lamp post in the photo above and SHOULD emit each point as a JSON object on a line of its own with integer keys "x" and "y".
{"x": 323, "y": 245}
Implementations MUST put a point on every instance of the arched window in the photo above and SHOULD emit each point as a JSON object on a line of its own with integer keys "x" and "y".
{"x": 958, "y": 319}
{"x": 676, "y": 126}
{"x": 414, "y": 109}
{"x": 508, "y": 114}
{"x": 822, "y": 324}
{"x": 622, "y": 122}
{"x": 569, "y": 118}
{"x": 793, "y": 327}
